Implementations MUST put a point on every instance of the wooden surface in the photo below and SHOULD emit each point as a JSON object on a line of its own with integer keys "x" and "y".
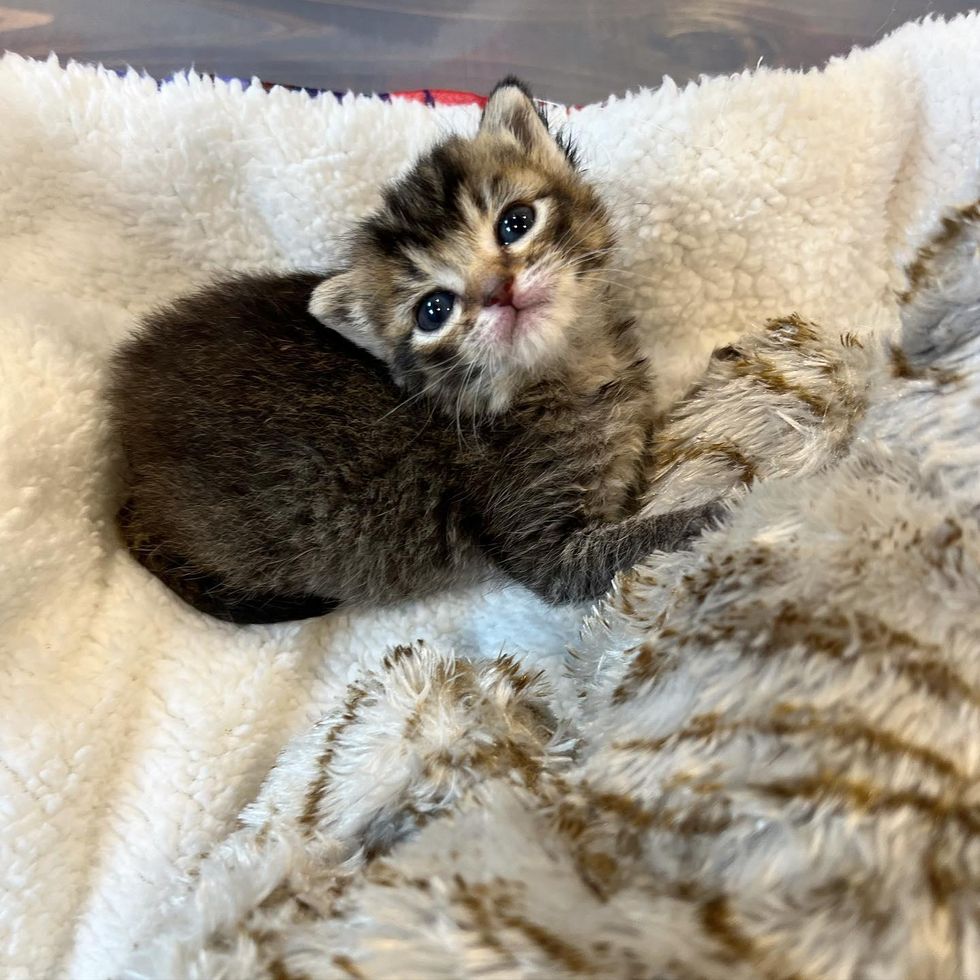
{"x": 570, "y": 50}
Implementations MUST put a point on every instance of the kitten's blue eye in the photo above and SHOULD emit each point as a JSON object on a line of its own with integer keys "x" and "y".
{"x": 434, "y": 310}
{"x": 514, "y": 223}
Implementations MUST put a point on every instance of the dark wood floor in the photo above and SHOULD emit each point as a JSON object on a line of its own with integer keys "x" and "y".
{"x": 570, "y": 50}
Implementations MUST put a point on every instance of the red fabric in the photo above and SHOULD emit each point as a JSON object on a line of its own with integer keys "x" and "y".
{"x": 448, "y": 96}
{"x": 445, "y": 96}
{"x": 440, "y": 96}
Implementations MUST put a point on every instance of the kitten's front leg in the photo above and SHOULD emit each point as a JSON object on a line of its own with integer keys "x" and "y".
{"x": 578, "y": 565}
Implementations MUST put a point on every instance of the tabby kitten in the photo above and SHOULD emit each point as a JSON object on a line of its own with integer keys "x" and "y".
{"x": 463, "y": 398}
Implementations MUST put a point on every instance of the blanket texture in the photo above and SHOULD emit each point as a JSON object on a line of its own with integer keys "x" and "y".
{"x": 450, "y": 811}
{"x": 763, "y": 760}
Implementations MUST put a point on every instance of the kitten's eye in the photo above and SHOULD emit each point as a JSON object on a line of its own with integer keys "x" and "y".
{"x": 514, "y": 223}
{"x": 434, "y": 310}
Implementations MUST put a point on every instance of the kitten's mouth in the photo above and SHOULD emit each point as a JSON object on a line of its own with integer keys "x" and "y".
{"x": 511, "y": 321}
{"x": 522, "y": 311}
{"x": 529, "y": 317}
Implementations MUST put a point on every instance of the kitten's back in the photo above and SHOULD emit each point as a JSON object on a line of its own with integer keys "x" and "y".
{"x": 257, "y": 440}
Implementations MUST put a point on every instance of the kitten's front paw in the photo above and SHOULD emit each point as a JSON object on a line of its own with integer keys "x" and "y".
{"x": 693, "y": 521}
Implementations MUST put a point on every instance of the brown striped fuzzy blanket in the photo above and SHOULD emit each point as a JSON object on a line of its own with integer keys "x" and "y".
{"x": 760, "y": 761}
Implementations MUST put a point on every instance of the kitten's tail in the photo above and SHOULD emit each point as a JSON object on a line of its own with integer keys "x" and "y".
{"x": 209, "y": 593}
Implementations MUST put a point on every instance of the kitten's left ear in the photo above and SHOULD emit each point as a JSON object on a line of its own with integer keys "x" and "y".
{"x": 511, "y": 109}
{"x": 334, "y": 304}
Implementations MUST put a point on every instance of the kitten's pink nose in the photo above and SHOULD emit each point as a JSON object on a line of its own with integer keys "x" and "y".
{"x": 500, "y": 293}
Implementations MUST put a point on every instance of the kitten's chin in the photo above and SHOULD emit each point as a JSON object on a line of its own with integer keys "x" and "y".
{"x": 518, "y": 347}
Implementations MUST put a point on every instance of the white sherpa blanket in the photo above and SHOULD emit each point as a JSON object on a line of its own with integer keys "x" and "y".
{"x": 132, "y": 730}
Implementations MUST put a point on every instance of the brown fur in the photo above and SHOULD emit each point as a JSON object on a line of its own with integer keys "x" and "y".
{"x": 281, "y": 462}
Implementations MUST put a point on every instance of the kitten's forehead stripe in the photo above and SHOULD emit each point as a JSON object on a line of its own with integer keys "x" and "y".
{"x": 475, "y": 201}
{"x": 423, "y": 207}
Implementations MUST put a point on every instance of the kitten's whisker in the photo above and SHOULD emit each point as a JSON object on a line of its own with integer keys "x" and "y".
{"x": 595, "y": 253}
{"x": 610, "y": 270}
{"x": 561, "y": 246}
{"x": 462, "y": 391}
{"x": 409, "y": 400}
{"x": 656, "y": 280}
{"x": 412, "y": 398}
{"x": 564, "y": 240}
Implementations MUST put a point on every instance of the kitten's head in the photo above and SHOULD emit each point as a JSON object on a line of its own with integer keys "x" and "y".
{"x": 482, "y": 269}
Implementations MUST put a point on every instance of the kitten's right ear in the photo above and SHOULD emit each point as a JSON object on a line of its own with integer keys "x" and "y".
{"x": 511, "y": 109}
{"x": 335, "y": 305}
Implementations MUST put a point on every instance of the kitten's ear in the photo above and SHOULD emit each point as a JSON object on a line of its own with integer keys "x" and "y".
{"x": 334, "y": 304}
{"x": 511, "y": 109}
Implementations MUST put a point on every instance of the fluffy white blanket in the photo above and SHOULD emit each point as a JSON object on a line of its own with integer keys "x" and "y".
{"x": 132, "y": 730}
